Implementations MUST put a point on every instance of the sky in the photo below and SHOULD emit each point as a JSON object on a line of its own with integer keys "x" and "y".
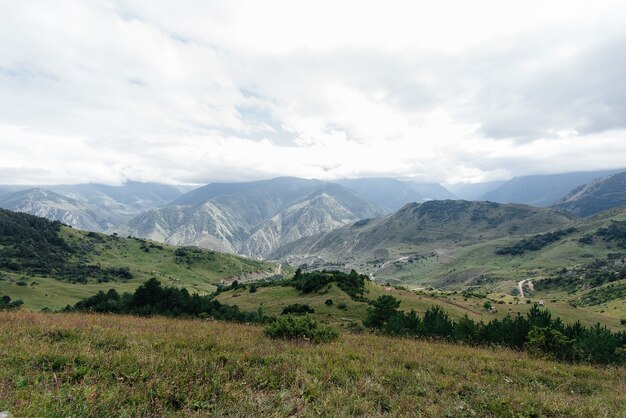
{"x": 193, "y": 92}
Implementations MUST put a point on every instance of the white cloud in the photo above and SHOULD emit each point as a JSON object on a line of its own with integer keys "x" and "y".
{"x": 206, "y": 91}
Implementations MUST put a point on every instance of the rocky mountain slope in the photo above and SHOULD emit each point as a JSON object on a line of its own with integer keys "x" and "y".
{"x": 596, "y": 196}
{"x": 252, "y": 218}
{"x": 50, "y": 205}
{"x": 542, "y": 190}
{"x": 420, "y": 228}
{"x": 94, "y": 207}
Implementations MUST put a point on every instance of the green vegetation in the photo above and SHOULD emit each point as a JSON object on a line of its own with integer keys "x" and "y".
{"x": 614, "y": 232}
{"x": 153, "y": 299}
{"x": 293, "y": 327}
{"x": 297, "y": 309}
{"x": 352, "y": 283}
{"x": 32, "y": 245}
{"x": 7, "y": 304}
{"x": 70, "y": 265}
{"x": 536, "y": 332}
{"x": 111, "y": 365}
{"x": 595, "y": 283}
{"x": 534, "y": 243}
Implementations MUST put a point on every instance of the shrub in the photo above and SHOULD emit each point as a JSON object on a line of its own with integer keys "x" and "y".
{"x": 383, "y": 309}
{"x": 329, "y": 302}
{"x": 297, "y": 309}
{"x": 293, "y": 327}
{"x": 342, "y": 305}
{"x": 549, "y": 342}
{"x": 252, "y": 288}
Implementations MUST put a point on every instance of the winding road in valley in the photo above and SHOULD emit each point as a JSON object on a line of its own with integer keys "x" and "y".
{"x": 520, "y": 286}
{"x": 385, "y": 265}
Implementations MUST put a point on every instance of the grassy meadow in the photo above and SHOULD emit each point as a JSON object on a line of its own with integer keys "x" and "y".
{"x": 106, "y": 365}
{"x": 144, "y": 259}
{"x": 344, "y": 310}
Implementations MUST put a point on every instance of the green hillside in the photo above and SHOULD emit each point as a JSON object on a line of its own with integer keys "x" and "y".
{"x": 421, "y": 231}
{"x": 46, "y": 264}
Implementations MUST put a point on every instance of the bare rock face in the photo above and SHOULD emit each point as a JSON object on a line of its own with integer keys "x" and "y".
{"x": 93, "y": 207}
{"x": 252, "y": 218}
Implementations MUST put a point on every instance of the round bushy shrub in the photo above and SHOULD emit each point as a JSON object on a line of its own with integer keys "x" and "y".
{"x": 297, "y": 309}
{"x": 293, "y": 327}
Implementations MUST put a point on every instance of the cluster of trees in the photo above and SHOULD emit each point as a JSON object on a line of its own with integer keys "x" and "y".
{"x": 604, "y": 294}
{"x": 595, "y": 274}
{"x": 535, "y": 332}
{"x": 534, "y": 243}
{"x": 32, "y": 245}
{"x": 7, "y": 304}
{"x": 151, "y": 298}
{"x": 616, "y": 231}
{"x": 352, "y": 283}
{"x": 297, "y": 309}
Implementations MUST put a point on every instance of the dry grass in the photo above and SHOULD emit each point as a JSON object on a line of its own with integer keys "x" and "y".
{"x": 95, "y": 365}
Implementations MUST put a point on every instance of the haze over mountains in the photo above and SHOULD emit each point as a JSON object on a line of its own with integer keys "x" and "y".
{"x": 94, "y": 207}
{"x": 393, "y": 194}
{"x": 598, "y": 195}
{"x": 259, "y": 218}
{"x": 541, "y": 190}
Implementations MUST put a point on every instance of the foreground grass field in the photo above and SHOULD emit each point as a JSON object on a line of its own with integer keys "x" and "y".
{"x": 95, "y": 365}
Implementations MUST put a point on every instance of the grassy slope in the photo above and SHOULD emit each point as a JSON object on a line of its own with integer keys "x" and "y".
{"x": 456, "y": 267}
{"x": 80, "y": 365}
{"x": 198, "y": 277}
{"x": 274, "y": 299}
{"x": 451, "y": 262}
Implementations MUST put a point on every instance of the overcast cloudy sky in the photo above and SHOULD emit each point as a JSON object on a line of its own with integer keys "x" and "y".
{"x": 201, "y": 91}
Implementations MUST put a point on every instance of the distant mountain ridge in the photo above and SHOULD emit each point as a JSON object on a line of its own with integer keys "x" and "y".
{"x": 542, "y": 190}
{"x": 456, "y": 222}
{"x": 94, "y": 207}
{"x": 393, "y": 194}
{"x": 594, "y": 197}
{"x": 473, "y": 191}
{"x": 252, "y": 218}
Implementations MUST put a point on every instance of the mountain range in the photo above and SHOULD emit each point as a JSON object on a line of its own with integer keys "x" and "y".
{"x": 594, "y": 197}
{"x": 420, "y": 228}
{"x": 93, "y": 207}
{"x": 259, "y": 218}
{"x": 542, "y": 190}
{"x": 252, "y": 218}
{"x": 392, "y": 194}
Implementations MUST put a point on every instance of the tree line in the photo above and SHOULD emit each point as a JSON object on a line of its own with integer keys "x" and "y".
{"x": 152, "y": 298}
{"x": 534, "y": 243}
{"x": 32, "y": 245}
{"x": 536, "y": 332}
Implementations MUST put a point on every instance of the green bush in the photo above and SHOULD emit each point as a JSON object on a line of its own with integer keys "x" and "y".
{"x": 383, "y": 308}
{"x": 342, "y": 305}
{"x": 329, "y": 302}
{"x": 297, "y": 309}
{"x": 291, "y": 327}
{"x": 549, "y": 342}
